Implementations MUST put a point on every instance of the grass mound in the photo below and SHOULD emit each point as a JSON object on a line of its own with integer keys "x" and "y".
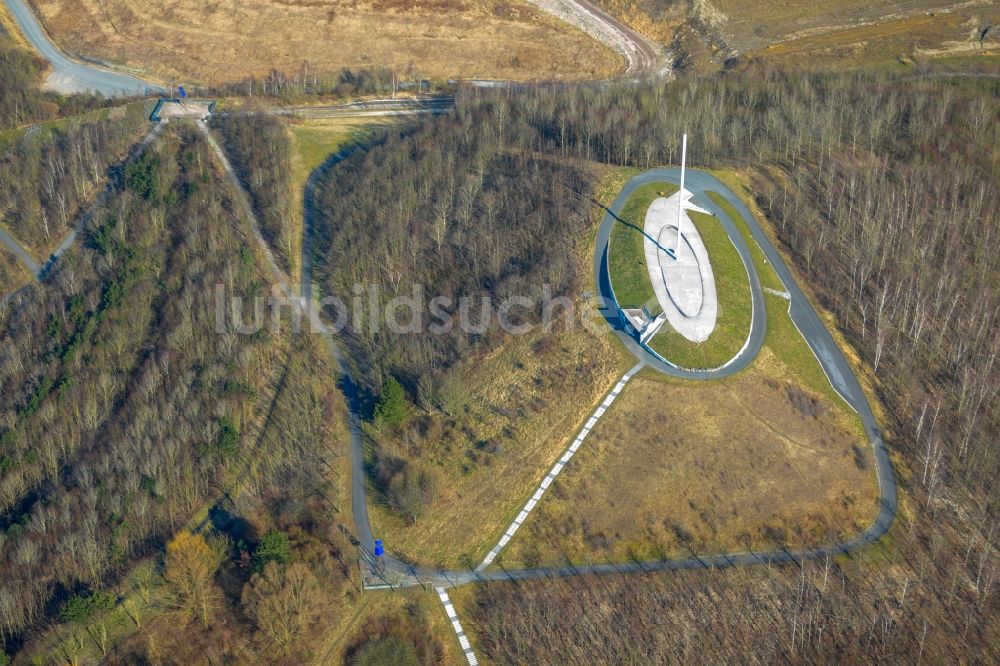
{"x": 735, "y": 306}
{"x": 630, "y": 280}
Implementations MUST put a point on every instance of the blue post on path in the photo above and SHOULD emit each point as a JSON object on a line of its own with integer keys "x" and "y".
{"x": 379, "y": 549}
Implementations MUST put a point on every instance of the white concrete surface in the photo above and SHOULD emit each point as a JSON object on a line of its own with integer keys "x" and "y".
{"x": 198, "y": 109}
{"x": 684, "y": 285}
{"x": 463, "y": 640}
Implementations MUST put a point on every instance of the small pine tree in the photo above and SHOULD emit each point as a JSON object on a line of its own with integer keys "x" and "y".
{"x": 391, "y": 407}
{"x": 228, "y": 439}
{"x": 273, "y": 547}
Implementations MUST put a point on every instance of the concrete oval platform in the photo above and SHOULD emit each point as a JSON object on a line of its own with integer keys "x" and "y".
{"x": 684, "y": 284}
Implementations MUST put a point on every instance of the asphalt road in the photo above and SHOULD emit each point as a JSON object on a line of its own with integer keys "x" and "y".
{"x": 26, "y": 259}
{"x": 359, "y": 492}
{"x": 403, "y": 106}
{"x": 71, "y": 76}
{"x": 820, "y": 340}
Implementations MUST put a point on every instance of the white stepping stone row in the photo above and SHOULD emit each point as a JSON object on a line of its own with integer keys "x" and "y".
{"x": 463, "y": 640}
{"x": 558, "y": 467}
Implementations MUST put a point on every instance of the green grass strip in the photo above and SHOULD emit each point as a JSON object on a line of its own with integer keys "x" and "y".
{"x": 626, "y": 258}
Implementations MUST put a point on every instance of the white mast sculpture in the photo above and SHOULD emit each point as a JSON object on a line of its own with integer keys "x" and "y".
{"x": 680, "y": 198}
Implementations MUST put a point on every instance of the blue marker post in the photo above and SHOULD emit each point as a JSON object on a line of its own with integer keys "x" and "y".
{"x": 379, "y": 552}
{"x": 182, "y": 92}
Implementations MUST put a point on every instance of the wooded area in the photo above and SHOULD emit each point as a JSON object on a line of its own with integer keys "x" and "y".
{"x": 260, "y": 149}
{"x": 22, "y": 101}
{"x": 50, "y": 174}
{"x": 118, "y": 414}
{"x": 460, "y": 207}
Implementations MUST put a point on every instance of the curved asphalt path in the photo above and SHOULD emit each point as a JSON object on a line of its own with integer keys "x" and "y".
{"x": 642, "y": 56}
{"x": 22, "y": 255}
{"x": 819, "y": 339}
{"x": 71, "y": 76}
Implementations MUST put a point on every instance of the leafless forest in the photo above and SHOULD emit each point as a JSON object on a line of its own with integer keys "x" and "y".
{"x": 884, "y": 192}
{"x": 22, "y": 101}
{"x": 460, "y": 212}
{"x": 259, "y": 147}
{"x": 49, "y": 177}
{"x": 121, "y": 401}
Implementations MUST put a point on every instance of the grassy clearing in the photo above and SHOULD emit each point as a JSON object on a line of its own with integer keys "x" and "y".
{"x": 520, "y": 407}
{"x": 892, "y": 40}
{"x": 630, "y": 278}
{"x": 735, "y": 305}
{"x": 313, "y": 142}
{"x": 13, "y": 274}
{"x": 853, "y": 34}
{"x": 626, "y": 258}
{"x": 765, "y": 272}
{"x": 667, "y": 472}
{"x": 222, "y": 42}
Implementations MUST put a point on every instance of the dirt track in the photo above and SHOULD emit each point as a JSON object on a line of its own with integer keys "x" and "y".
{"x": 641, "y": 55}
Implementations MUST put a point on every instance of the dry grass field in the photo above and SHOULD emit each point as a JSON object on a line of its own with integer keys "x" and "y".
{"x": 521, "y": 406}
{"x": 840, "y": 33}
{"x": 916, "y": 36}
{"x": 656, "y": 19}
{"x": 772, "y": 456}
{"x": 867, "y": 30}
{"x": 215, "y": 42}
{"x": 759, "y": 460}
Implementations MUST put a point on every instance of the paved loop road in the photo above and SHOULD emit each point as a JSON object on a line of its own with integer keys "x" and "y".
{"x": 698, "y": 184}
{"x": 805, "y": 318}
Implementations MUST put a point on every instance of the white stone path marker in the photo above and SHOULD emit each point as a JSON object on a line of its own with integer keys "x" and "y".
{"x": 463, "y": 640}
{"x": 558, "y": 467}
